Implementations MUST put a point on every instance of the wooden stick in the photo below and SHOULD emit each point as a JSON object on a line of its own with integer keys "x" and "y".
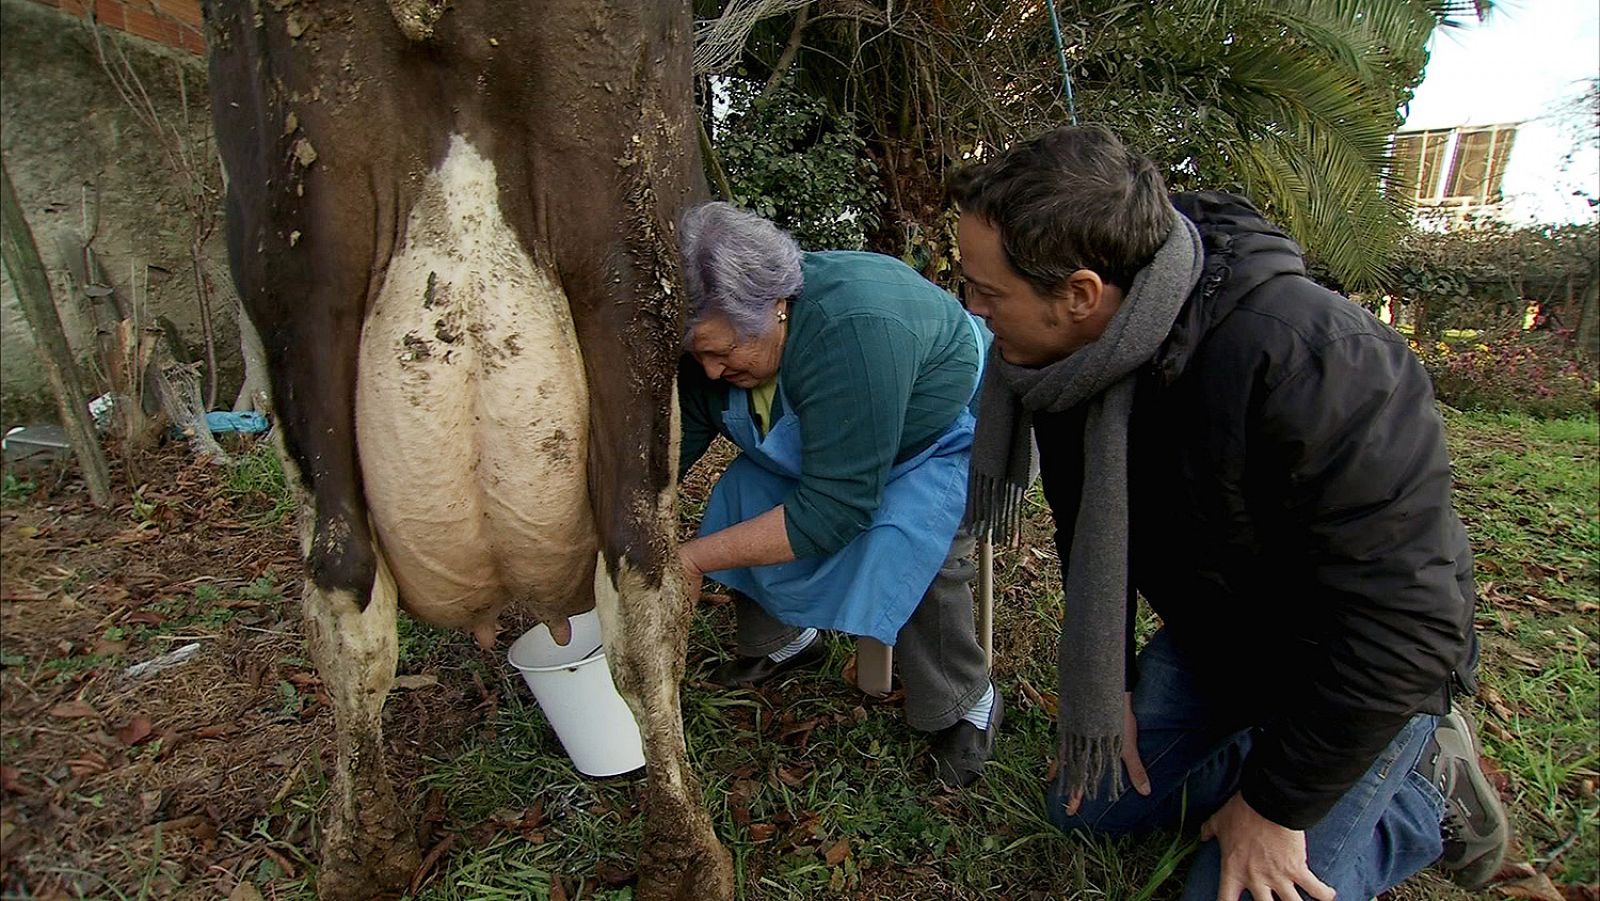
{"x": 21, "y": 259}
{"x": 986, "y": 599}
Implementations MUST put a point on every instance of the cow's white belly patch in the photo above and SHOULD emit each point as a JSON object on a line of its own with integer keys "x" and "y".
{"x": 472, "y": 414}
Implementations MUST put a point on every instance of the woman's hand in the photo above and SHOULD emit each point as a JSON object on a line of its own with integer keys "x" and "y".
{"x": 693, "y": 575}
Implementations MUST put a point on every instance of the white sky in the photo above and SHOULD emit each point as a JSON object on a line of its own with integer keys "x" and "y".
{"x": 1519, "y": 66}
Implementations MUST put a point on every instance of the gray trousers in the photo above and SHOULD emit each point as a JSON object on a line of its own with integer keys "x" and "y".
{"x": 937, "y": 652}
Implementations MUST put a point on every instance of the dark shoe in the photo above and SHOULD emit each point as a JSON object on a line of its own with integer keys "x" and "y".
{"x": 960, "y": 751}
{"x": 1476, "y": 831}
{"x": 748, "y": 672}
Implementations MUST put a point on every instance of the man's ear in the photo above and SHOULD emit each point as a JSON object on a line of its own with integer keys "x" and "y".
{"x": 1079, "y": 297}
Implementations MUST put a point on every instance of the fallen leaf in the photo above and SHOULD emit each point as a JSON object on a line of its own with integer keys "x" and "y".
{"x": 739, "y": 801}
{"x": 761, "y": 832}
{"x": 1494, "y": 728}
{"x": 411, "y": 683}
{"x": 72, "y": 710}
{"x": 1513, "y": 869}
{"x": 837, "y": 852}
{"x": 216, "y": 730}
{"x": 615, "y": 875}
{"x": 1538, "y": 887}
{"x": 199, "y": 825}
{"x": 799, "y": 733}
{"x": 1526, "y": 661}
{"x": 794, "y": 776}
{"x": 244, "y": 891}
{"x": 87, "y": 765}
{"x": 11, "y": 780}
{"x": 1047, "y": 703}
{"x": 1497, "y": 704}
{"x": 284, "y": 864}
{"x": 439, "y": 850}
{"x": 137, "y": 730}
{"x": 104, "y": 739}
{"x": 558, "y": 892}
{"x": 170, "y": 739}
{"x": 1589, "y": 892}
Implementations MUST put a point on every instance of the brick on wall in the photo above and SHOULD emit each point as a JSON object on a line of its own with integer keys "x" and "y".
{"x": 175, "y": 23}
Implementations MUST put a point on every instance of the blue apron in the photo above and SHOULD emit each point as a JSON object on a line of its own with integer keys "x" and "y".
{"x": 872, "y": 585}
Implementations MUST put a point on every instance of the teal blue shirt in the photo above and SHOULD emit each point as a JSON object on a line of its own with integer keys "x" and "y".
{"x": 877, "y": 363}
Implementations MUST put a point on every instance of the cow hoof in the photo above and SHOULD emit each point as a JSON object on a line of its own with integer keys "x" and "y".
{"x": 367, "y": 862}
{"x": 684, "y": 873}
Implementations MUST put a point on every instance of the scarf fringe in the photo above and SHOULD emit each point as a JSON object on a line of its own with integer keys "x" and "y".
{"x": 994, "y": 508}
{"x": 1090, "y": 764}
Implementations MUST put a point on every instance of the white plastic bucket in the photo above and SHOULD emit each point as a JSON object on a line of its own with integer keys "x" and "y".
{"x": 574, "y": 688}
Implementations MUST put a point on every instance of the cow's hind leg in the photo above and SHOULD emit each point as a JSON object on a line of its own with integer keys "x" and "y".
{"x": 646, "y": 626}
{"x": 368, "y": 846}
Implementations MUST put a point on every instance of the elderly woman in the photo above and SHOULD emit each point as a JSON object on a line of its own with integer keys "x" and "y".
{"x": 845, "y": 379}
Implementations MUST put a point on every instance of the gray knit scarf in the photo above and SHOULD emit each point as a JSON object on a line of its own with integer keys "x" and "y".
{"x": 1101, "y": 375}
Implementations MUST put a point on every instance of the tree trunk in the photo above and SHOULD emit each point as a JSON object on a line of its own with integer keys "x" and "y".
{"x": 713, "y": 165}
{"x": 790, "y": 49}
{"x": 1588, "y": 330}
{"x": 21, "y": 259}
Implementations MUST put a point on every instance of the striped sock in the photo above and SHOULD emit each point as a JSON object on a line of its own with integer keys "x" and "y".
{"x": 800, "y": 643}
{"x": 979, "y": 714}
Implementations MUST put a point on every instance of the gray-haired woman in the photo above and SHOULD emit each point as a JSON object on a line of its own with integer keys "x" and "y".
{"x": 845, "y": 379}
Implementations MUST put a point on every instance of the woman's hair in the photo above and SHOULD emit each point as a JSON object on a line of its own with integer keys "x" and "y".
{"x": 736, "y": 265}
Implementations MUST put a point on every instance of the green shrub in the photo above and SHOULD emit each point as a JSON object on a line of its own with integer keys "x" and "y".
{"x": 1538, "y": 373}
{"x": 793, "y": 161}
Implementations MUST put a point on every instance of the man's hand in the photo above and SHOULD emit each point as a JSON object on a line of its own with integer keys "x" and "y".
{"x": 1130, "y": 756}
{"x": 1261, "y": 856}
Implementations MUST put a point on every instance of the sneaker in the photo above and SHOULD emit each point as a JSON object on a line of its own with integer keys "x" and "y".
{"x": 961, "y": 750}
{"x": 1476, "y": 831}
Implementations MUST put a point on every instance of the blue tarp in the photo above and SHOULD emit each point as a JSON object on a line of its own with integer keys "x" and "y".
{"x": 249, "y": 423}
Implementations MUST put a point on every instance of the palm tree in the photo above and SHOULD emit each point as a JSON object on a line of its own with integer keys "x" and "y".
{"x": 1291, "y": 102}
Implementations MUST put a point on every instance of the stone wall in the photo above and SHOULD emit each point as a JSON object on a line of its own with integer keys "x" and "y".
{"x": 83, "y": 163}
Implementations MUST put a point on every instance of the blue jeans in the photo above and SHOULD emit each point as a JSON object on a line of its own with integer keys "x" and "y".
{"x": 1384, "y": 829}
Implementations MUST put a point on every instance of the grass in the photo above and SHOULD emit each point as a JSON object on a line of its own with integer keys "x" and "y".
{"x": 14, "y": 490}
{"x": 791, "y": 772}
{"x": 256, "y": 482}
{"x": 1527, "y": 491}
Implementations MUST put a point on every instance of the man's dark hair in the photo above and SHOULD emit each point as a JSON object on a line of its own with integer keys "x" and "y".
{"x": 1072, "y": 198}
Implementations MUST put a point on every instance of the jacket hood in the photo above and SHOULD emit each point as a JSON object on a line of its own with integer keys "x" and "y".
{"x": 1243, "y": 251}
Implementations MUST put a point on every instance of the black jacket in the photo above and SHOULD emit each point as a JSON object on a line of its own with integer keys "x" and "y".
{"x": 1290, "y": 514}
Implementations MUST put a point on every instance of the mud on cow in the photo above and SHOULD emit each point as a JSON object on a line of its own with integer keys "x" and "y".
{"x": 451, "y": 223}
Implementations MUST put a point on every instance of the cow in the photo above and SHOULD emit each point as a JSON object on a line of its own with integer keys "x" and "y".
{"x": 452, "y": 224}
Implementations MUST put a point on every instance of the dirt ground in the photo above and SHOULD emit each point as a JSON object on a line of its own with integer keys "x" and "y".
{"x": 187, "y": 777}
